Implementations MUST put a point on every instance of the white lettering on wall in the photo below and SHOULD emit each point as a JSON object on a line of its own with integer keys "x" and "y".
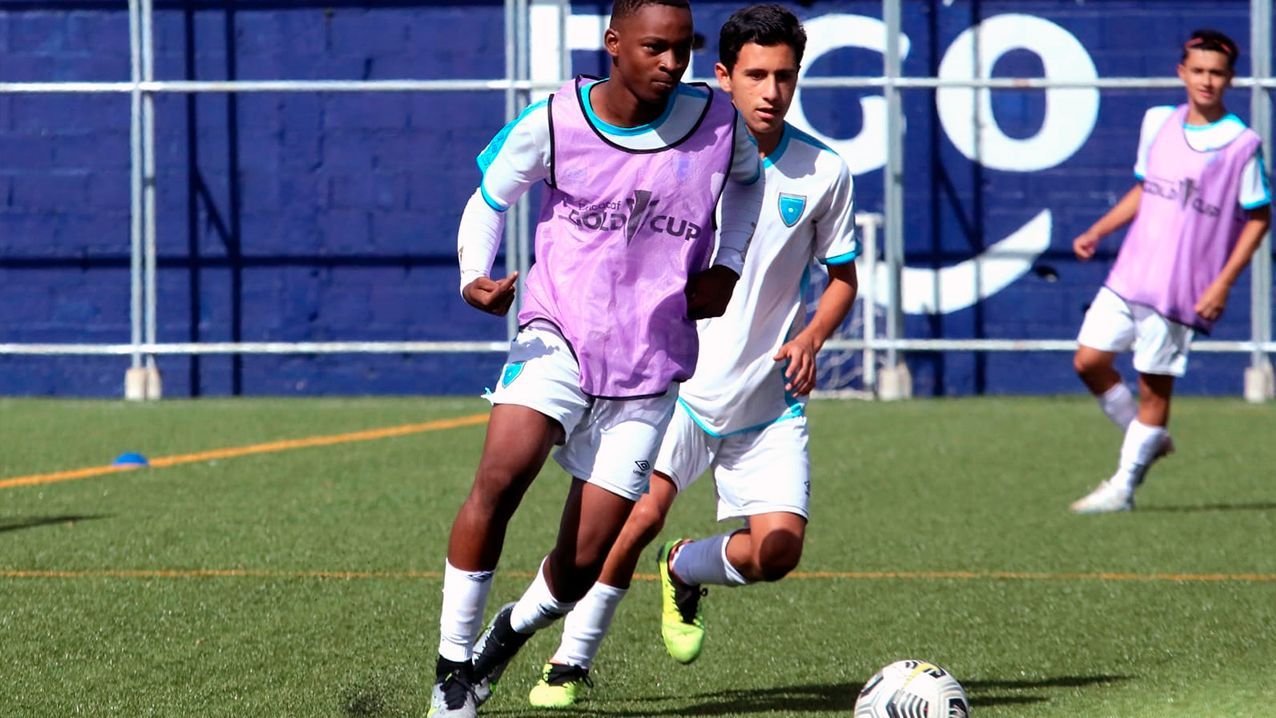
{"x": 865, "y": 151}
{"x": 1070, "y": 112}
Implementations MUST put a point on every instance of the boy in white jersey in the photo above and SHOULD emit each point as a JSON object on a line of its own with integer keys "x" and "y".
{"x": 633, "y": 167}
{"x": 1200, "y": 209}
{"x": 742, "y": 413}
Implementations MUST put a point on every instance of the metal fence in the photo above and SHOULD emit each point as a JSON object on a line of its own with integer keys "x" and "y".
{"x": 881, "y": 346}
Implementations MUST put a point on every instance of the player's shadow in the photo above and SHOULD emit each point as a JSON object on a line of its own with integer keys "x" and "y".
{"x": 18, "y": 523}
{"x": 836, "y": 697}
{"x": 1206, "y": 508}
{"x": 1008, "y": 692}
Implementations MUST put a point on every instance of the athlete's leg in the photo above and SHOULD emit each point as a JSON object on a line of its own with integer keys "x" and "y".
{"x": 592, "y": 519}
{"x": 769, "y": 548}
{"x": 1155, "y": 391}
{"x": 1109, "y": 328}
{"x": 614, "y": 448}
{"x": 517, "y": 443}
{"x": 643, "y": 526}
{"x": 685, "y": 453}
{"x": 1146, "y": 440}
{"x": 1096, "y": 369}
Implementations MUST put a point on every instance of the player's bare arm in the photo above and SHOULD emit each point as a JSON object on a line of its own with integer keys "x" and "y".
{"x": 1214, "y": 300}
{"x": 800, "y": 352}
{"x": 1120, "y": 215}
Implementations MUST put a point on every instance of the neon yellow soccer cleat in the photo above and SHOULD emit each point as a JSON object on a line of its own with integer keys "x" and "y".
{"x": 560, "y": 686}
{"x": 681, "y": 621}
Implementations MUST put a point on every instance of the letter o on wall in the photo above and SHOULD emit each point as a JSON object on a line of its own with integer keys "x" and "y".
{"x": 1070, "y": 112}
{"x": 865, "y": 151}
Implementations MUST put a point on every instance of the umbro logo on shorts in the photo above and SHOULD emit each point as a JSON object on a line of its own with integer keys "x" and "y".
{"x": 644, "y": 467}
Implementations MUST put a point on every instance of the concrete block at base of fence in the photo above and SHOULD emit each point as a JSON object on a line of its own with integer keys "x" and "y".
{"x": 142, "y": 384}
{"x": 894, "y": 382}
{"x": 1260, "y": 383}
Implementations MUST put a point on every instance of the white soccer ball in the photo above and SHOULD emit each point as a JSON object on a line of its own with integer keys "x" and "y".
{"x": 912, "y": 689}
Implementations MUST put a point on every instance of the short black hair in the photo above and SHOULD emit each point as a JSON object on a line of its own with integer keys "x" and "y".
{"x": 625, "y": 8}
{"x": 767, "y": 25}
{"x": 1206, "y": 39}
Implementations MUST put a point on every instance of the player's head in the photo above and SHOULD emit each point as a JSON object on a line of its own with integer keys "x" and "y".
{"x": 1207, "y": 67}
{"x": 650, "y": 46}
{"x": 759, "y": 52}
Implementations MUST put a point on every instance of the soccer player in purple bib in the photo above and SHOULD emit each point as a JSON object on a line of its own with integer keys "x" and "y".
{"x": 634, "y": 167}
{"x": 1199, "y": 211}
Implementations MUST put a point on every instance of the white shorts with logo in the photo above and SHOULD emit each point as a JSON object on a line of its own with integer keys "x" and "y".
{"x": 1112, "y": 324}
{"x": 755, "y": 472}
{"x": 611, "y": 443}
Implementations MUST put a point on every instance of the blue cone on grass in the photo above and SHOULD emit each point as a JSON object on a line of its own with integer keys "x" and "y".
{"x": 130, "y": 458}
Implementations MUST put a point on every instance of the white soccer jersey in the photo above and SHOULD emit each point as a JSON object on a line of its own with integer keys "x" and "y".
{"x": 1207, "y": 138}
{"x": 807, "y": 214}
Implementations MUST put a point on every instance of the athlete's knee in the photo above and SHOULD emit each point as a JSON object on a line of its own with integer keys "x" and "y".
{"x": 645, "y": 523}
{"x": 1085, "y": 363}
{"x": 778, "y": 554}
{"x": 496, "y": 491}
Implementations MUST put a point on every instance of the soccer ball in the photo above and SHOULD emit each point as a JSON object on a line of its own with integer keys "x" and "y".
{"x": 912, "y": 689}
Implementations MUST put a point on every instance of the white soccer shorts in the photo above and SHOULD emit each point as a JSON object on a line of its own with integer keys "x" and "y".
{"x": 611, "y": 443}
{"x": 755, "y": 472}
{"x": 1112, "y": 324}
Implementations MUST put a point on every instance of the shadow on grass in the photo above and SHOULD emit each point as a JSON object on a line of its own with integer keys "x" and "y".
{"x": 19, "y": 523}
{"x": 994, "y": 693}
{"x": 827, "y": 698}
{"x": 1203, "y": 508}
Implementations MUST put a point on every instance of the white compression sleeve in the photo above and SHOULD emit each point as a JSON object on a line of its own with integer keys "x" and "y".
{"x": 478, "y": 238}
{"x": 741, "y": 205}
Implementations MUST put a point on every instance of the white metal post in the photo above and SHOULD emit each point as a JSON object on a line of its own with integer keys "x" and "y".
{"x": 895, "y": 382}
{"x": 511, "y": 111}
{"x": 134, "y": 377}
{"x": 149, "y": 189}
{"x": 868, "y": 296}
{"x": 522, "y": 222}
{"x": 1259, "y": 384}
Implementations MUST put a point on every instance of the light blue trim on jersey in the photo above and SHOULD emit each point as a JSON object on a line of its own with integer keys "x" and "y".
{"x": 775, "y": 154}
{"x": 489, "y": 153}
{"x": 491, "y": 202}
{"x": 808, "y": 139}
{"x": 652, "y": 126}
{"x": 1262, "y": 177}
{"x": 793, "y": 133}
{"x": 794, "y": 411}
{"x": 844, "y": 258}
{"x": 1229, "y": 117}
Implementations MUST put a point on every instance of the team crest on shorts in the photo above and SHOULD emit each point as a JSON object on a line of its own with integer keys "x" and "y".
{"x": 791, "y": 208}
{"x": 511, "y": 372}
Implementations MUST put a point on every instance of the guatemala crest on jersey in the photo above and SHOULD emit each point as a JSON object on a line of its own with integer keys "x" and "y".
{"x": 791, "y": 208}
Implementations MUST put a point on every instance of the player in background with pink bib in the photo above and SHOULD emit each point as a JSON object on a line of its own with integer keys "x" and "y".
{"x": 1199, "y": 211}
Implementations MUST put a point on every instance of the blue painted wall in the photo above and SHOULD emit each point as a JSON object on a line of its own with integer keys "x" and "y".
{"x": 291, "y": 217}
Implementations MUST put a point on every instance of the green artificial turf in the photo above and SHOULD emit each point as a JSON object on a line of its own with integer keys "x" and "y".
{"x": 305, "y": 582}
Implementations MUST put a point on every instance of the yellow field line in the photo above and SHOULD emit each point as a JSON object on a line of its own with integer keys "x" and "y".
{"x": 237, "y": 451}
{"x": 799, "y": 575}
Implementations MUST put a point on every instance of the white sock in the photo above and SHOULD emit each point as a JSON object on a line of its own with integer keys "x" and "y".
{"x": 461, "y": 619}
{"x": 1119, "y": 405}
{"x": 538, "y": 607}
{"x": 1137, "y": 452}
{"x": 704, "y": 562}
{"x": 587, "y": 624}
